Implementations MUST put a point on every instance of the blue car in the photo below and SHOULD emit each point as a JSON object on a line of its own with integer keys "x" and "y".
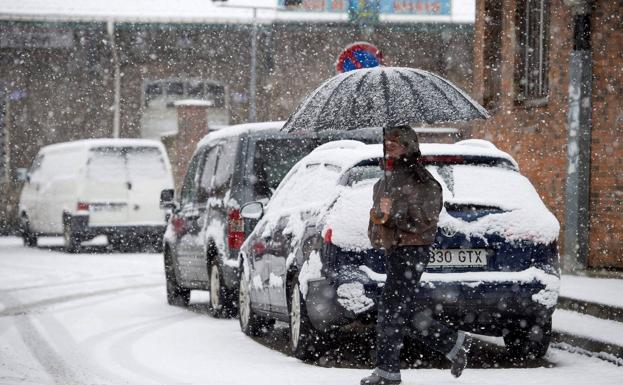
{"x": 494, "y": 268}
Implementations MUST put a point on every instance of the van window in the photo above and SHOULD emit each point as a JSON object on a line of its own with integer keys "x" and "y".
{"x": 35, "y": 169}
{"x": 273, "y": 159}
{"x": 145, "y": 163}
{"x": 189, "y": 187}
{"x": 126, "y": 164}
{"x": 106, "y": 163}
{"x": 225, "y": 167}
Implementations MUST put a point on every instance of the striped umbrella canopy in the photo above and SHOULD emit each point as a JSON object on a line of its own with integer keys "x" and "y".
{"x": 383, "y": 97}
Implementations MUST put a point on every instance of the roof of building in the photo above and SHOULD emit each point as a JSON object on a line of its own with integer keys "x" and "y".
{"x": 192, "y": 11}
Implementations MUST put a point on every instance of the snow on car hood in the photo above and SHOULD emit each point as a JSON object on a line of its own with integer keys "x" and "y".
{"x": 524, "y": 215}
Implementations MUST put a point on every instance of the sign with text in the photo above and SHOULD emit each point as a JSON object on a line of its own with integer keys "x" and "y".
{"x": 388, "y": 7}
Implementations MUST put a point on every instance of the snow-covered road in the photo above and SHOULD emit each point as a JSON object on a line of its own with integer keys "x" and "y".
{"x": 102, "y": 318}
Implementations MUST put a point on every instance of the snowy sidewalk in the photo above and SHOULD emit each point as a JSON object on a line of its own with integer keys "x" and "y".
{"x": 604, "y": 291}
{"x": 589, "y": 314}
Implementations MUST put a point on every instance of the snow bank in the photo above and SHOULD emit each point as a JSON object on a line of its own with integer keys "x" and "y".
{"x": 475, "y": 279}
{"x": 310, "y": 270}
{"x": 352, "y": 296}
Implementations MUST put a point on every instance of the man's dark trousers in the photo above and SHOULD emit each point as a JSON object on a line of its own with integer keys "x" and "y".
{"x": 399, "y": 313}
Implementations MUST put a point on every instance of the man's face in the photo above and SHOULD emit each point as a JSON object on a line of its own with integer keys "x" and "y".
{"x": 393, "y": 148}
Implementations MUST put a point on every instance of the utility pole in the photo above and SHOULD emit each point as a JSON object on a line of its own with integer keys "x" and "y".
{"x": 253, "y": 76}
{"x": 579, "y": 123}
{"x": 116, "y": 123}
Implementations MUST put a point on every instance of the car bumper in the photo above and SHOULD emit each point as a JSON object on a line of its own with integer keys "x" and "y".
{"x": 482, "y": 307}
{"x": 80, "y": 225}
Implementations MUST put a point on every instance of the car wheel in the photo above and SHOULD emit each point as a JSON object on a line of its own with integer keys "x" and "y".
{"x": 30, "y": 238}
{"x": 250, "y": 323}
{"x": 529, "y": 343}
{"x": 176, "y": 294}
{"x": 304, "y": 339}
{"x": 71, "y": 239}
{"x": 221, "y": 300}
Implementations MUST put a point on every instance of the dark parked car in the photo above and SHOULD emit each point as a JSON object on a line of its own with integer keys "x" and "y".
{"x": 494, "y": 269}
{"x": 230, "y": 167}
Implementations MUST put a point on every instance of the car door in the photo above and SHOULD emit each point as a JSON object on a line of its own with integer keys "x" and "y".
{"x": 279, "y": 248}
{"x": 205, "y": 191}
{"x": 30, "y": 193}
{"x": 259, "y": 269}
{"x": 148, "y": 174}
{"x": 187, "y": 218}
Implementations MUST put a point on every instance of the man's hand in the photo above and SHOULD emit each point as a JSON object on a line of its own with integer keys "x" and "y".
{"x": 386, "y": 205}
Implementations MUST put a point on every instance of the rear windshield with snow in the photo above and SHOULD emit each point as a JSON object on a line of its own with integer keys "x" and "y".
{"x": 273, "y": 159}
{"x": 487, "y": 182}
{"x": 126, "y": 163}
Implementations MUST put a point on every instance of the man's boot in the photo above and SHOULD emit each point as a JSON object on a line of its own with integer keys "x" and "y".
{"x": 459, "y": 362}
{"x": 375, "y": 379}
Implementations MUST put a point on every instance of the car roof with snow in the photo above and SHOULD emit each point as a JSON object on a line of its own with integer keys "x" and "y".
{"x": 348, "y": 153}
{"x": 102, "y": 142}
{"x": 241, "y": 129}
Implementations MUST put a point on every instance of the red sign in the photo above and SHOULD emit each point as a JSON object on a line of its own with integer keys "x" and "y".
{"x": 359, "y": 55}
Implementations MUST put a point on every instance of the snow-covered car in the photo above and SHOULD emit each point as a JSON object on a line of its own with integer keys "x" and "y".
{"x": 230, "y": 167}
{"x": 93, "y": 187}
{"x": 494, "y": 269}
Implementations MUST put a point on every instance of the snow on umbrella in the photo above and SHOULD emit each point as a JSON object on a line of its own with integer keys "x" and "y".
{"x": 383, "y": 97}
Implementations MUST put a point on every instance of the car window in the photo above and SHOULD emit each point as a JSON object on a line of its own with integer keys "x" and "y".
{"x": 272, "y": 161}
{"x": 225, "y": 167}
{"x": 107, "y": 164}
{"x": 207, "y": 173}
{"x": 306, "y": 186}
{"x": 35, "y": 169}
{"x": 145, "y": 163}
{"x": 189, "y": 187}
{"x": 485, "y": 185}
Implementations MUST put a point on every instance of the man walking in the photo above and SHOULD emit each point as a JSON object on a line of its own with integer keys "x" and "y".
{"x": 403, "y": 221}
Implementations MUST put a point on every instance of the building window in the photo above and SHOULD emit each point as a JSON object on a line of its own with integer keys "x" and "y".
{"x": 531, "y": 69}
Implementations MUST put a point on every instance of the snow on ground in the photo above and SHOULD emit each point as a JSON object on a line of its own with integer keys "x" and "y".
{"x": 583, "y": 325}
{"x": 598, "y": 290}
{"x": 103, "y": 318}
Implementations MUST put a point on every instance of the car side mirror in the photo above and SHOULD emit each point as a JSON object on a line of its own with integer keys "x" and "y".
{"x": 167, "y": 199}
{"x": 252, "y": 210}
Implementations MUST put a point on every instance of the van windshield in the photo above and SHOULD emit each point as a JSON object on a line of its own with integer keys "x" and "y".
{"x": 126, "y": 163}
{"x": 273, "y": 159}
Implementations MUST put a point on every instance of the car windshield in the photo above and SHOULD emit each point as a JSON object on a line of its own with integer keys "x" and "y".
{"x": 273, "y": 159}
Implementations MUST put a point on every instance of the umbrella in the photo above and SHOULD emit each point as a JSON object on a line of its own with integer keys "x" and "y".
{"x": 383, "y": 97}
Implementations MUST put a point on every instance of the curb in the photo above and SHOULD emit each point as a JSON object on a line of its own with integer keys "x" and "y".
{"x": 609, "y": 352}
{"x": 591, "y": 308}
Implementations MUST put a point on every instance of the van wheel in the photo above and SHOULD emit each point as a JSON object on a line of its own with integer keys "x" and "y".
{"x": 531, "y": 343}
{"x": 251, "y": 324}
{"x": 71, "y": 239}
{"x": 176, "y": 294}
{"x": 304, "y": 339}
{"x": 30, "y": 238}
{"x": 222, "y": 303}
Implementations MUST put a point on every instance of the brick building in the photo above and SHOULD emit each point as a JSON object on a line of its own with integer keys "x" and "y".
{"x": 551, "y": 73}
{"x": 59, "y": 62}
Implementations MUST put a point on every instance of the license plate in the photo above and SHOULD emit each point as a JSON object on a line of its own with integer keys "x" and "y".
{"x": 107, "y": 207}
{"x": 458, "y": 257}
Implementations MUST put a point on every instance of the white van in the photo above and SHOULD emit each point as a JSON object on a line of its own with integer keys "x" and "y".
{"x": 92, "y": 187}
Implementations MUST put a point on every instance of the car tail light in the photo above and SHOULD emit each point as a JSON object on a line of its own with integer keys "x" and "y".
{"x": 179, "y": 225}
{"x": 82, "y": 206}
{"x": 259, "y": 248}
{"x": 235, "y": 229}
{"x": 328, "y": 236}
